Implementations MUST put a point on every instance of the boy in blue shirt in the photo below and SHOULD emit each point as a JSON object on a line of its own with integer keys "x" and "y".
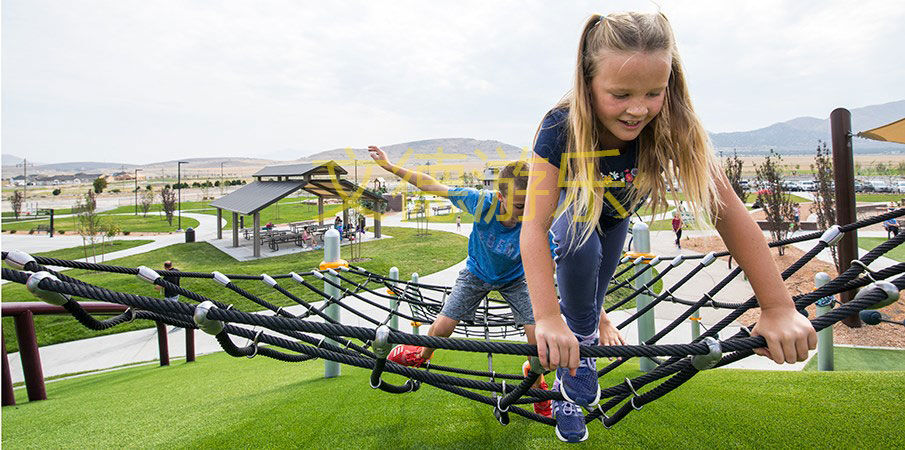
{"x": 494, "y": 257}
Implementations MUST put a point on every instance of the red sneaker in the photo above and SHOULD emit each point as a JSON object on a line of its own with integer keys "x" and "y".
{"x": 544, "y": 408}
{"x": 407, "y": 355}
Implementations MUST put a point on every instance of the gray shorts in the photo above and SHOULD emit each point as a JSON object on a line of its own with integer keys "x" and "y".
{"x": 469, "y": 290}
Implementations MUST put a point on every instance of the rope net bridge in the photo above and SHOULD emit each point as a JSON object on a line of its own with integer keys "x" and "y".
{"x": 316, "y": 334}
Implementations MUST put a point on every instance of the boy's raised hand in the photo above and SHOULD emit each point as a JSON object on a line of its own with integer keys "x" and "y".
{"x": 379, "y": 156}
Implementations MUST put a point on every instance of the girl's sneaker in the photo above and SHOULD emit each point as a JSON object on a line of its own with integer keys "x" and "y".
{"x": 583, "y": 388}
{"x": 570, "y": 425}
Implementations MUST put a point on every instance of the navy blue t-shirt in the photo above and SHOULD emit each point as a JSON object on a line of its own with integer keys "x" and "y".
{"x": 618, "y": 168}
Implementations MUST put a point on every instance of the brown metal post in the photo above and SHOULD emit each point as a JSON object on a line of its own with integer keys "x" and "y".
{"x": 219, "y": 223}
{"x": 162, "y": 344}
{"x": 9, "y": 397}
{"x": 189, "y": 344}
{"x": 844, "y": 178}
{"x": 31, "y": 359}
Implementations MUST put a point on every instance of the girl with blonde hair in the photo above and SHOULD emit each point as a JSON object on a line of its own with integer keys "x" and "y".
{"x": 626, "y": 132}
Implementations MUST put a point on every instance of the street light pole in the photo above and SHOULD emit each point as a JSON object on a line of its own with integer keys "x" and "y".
{"x": 136, "y": 190}
{"x": 179, "y": 185}
{"x": 221, "y": 178}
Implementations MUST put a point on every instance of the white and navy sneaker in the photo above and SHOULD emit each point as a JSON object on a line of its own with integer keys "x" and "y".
{"x": 583, "y": 388}
{"x": 570, "y": 425}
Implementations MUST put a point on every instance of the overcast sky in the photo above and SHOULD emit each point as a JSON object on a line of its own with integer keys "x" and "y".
{"x": 140, "y": 81}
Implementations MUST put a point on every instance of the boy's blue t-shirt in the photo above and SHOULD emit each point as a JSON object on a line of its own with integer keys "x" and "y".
{"x": 494, "y": 254}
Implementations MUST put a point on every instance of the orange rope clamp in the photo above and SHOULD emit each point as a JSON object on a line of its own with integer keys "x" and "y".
{"x": 416, "y": 324}
{"x": 694, "y": 318}
{"x": 635, "y": 255}
{"x": 391, "y": 292}
{"x": 333, "y": 265}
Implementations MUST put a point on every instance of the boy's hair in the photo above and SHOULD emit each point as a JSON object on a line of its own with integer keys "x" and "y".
{"x": 673, "y": 149}
{"x": 167, "y": 264}
{"x": 514, "y": 174}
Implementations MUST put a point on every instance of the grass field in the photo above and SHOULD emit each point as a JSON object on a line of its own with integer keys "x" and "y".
{"x": 861, "y": 359}
{"x": 879, "y": 197}
{"x": 224, "y": 402}
{"x": 405, "y": 250}
{"x": 868, "y": 243}
{"x": 151, "y": 223}
{"x": 79, "y": 251}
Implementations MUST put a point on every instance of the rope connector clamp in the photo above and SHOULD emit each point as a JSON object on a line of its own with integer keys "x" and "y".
{"x": 704, "y": 362}
{"x": 18, "y": 259}
{"x": 54, "y": 298}
{"x": 209, "y": 326}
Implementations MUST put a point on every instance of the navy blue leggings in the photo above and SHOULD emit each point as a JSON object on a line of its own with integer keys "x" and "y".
{"x": 583, "y": 272}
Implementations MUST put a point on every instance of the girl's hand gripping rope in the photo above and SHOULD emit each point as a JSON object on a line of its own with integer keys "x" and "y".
{"x": 556, "y": 345}
{"x": 609, "y": 335}
{"x": 789, "y": 335}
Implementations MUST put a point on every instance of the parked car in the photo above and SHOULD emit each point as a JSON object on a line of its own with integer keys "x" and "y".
{"x": 807, "y": 185}
{"x": 900, "y": 186}
{"x": 880, "y": 186}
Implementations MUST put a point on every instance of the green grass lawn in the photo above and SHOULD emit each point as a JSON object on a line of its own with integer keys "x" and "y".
{"x": 151, "y": 223}
{"x": 861, "y": 359}
{"x": 224, "y": 402}
{"x": 868, "y": 243}
{"x": 447, "y": 218}
{"x": 98, "y": 249}
{"x": 879, "y": 197}
{"x": 405, "y": 250}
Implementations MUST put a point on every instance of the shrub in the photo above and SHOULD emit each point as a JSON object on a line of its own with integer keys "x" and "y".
{"x": 61, "y": 231}
{"x": 126, "y": 233}
{"x": 31, "y": 231}
{"x": 56, "y": 191}
{"x": 12, "y": 231}
{"x": 115, "y": 191}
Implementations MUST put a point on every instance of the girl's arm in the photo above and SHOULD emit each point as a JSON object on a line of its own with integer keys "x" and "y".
{"x": 789, "y": 335}
{"x": 556, "y": 345}
{"x": 420, "y": 180}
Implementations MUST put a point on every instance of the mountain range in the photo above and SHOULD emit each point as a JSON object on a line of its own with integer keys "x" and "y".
{"x": 794, "y": 136}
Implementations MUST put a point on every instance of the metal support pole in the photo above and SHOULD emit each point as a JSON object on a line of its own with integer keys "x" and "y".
{"x": 377, "y": 225}
{"x": 219, "y": 223}
{"x": 256, "y": 220}
{"x": 51, "y": 222}
{"x": 414, "y": 326}
{"x": 320, "y": 210}
{"x": 696, "y": 324}
{"x": 189, "y": 344}
{"x": 235, "y": 229}
{"x": 9, "y": 397}
{"x": 31, "y": 358}
{"x": 825, "y": 336}
{"x": 394, "y": 319}
{"x": 162, "y": 344}
{"x": 331, "y": 254}
{"x": 646, "y": 326}
{"x": 844, "y": 178}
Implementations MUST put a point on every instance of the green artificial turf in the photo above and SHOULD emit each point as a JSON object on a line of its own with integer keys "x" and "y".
{"x": 404, "y": 250}
{"x": 98, "y": 249}
{"x": 868, "y": 243}
{"x": 861, "y": 359}
{"x": 224, "y": 402}
{"x": 139, "y": 223}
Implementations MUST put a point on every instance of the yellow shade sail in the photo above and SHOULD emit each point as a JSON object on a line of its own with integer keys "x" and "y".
{"x": 892, "y": 132}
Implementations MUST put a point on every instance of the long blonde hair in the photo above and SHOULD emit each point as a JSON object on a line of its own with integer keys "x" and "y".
{"x": 673, "y": 149}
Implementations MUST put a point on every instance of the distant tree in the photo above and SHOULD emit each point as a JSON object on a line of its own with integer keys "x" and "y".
{"x": 733, "y": 171}
{"x": 16, "y": 199}
{"x": 100, "y": 183}
{"x": 168, "y": 203}
{"x": 148, "y": 187}
{"x": 147, "y": 199}
{"x": 825, "y": 196}
{"x": 777, "y": 204}
{"x": 89, "y": 222}
{"x": 56, "y": 192}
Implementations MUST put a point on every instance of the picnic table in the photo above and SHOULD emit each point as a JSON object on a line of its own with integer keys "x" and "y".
{"x": 445, "y": 208}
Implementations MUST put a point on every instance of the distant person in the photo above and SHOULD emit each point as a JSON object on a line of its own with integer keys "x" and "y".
{"x": 268, "y": 226}
{"x": 307, "y": 238}
{"x": 891, "y": 226}
{"x": 677, "y": 228}
{"x": 458, "y": 222}
{"x": 362, "y": 223}
{"x": 338, "y": 224}
{"x": 168, "y": 293}
{"x": 796, "y": 216}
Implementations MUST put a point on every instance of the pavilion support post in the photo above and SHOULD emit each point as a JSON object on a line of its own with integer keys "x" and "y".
{"x": 844, "y": 178}
{"x": 219, "y": 221}
{"x": 235, "y": 229}
{"x": 377, "y": 230}
{"x": 257, "y": 224}
{"x": 345, "y": 218}
{"x": 320, "y": 210}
